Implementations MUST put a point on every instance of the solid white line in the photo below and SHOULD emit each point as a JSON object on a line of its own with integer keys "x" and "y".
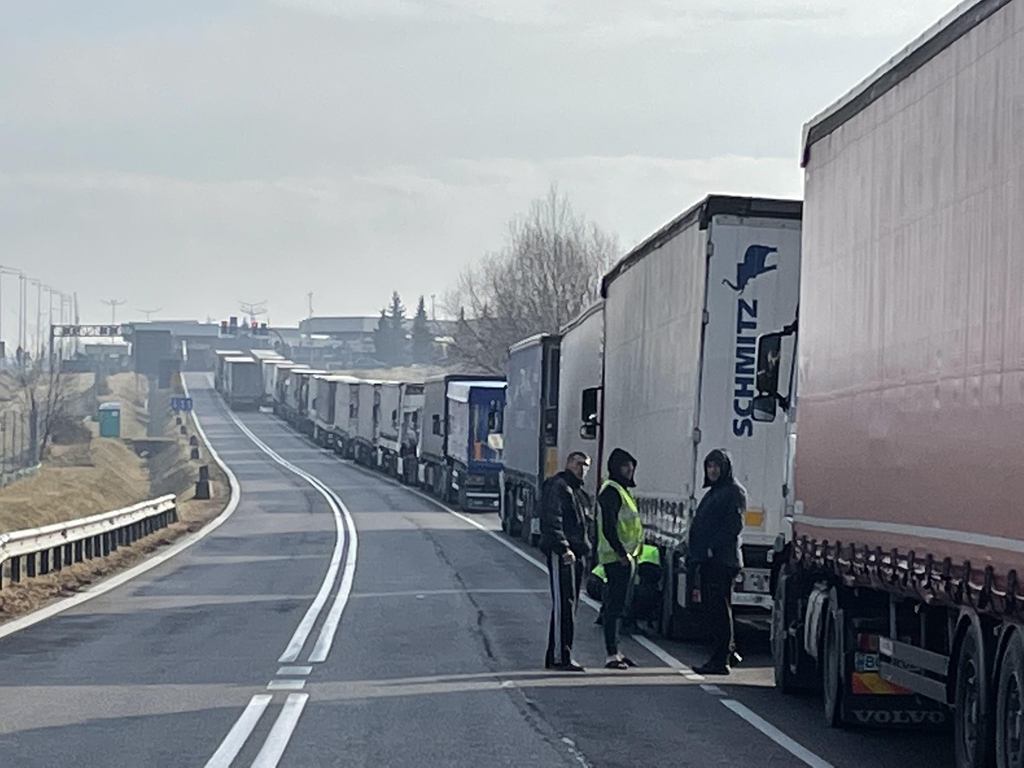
{"x": 281, "y": 733}
{"x": 662, "y": 654}
{"x": 240, "y": 732}
{"x": 286, "y": 685}
{"x": 776, "y": 735}
{"x": 298, "y": 640}
{"x": 16, "y": 625}
{"x": 330, "y": 627}
{"x": 285, "y": 671}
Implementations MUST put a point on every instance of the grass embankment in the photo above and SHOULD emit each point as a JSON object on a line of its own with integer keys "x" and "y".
{"x": 102, "y": 474}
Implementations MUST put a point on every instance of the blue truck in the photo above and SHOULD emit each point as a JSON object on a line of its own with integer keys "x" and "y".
{"x": 462, "y": 448}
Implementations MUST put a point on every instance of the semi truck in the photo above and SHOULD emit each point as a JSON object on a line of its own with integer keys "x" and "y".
{"x": 581, "y": 358}
{"x": 367, "y": 422}
{"x": 899, "y": 595}
{"x": 462, "y": 444}
{"x": 243, "y": 383}
{"x": 401, "y": 410}
{"x": 531, "y": 432}
{"x": 325, "y": 414}
{"x": 346, "y": 417}
{"x": 682, "y": 313}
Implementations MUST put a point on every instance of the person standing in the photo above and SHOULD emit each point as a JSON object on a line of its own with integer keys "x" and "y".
{"x": 714, "y": 548}
{"x": 620, "y": 538}
{"x": 563, "y": 540}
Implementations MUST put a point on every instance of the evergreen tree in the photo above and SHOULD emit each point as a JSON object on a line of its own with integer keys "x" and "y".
{"x": 422, "y": 338}
{"x": 396, "y": 322}
{"x": 383, "y": 339}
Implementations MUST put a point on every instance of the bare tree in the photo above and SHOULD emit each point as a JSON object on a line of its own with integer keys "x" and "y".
{"x": 549, "y": 272}
{"x": 45, "y": 394}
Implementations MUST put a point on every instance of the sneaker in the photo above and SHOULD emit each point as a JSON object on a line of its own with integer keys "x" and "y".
{"x": 735, "y": 659}
{"x": 628, "y": 661}
{"x": 570, "y": 666}
{"x": 616, "y": 662}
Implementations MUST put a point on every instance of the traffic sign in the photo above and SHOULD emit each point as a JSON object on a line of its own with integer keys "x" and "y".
{"x": 181, "y": 404}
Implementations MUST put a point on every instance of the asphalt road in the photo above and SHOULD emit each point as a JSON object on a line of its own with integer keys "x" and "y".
{"x": 426, "y": 636}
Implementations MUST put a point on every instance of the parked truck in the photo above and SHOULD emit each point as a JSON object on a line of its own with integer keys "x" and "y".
{"x": 346, "y": 417}
{"x": 531, "y": 432}
{"x": 900, "y": 595}
{"x": 580, "y": 362}
{"x": 324, "y": 409}
{"x": 367, "y": 422}
{"x": 242, "y": 383}
{"x": 462, "y": 444}
{"x": 682, "y": 313}
{"x": 401, "y": 408}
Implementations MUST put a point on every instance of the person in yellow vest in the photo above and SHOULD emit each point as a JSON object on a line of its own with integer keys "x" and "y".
{"x": 620, "y": 539}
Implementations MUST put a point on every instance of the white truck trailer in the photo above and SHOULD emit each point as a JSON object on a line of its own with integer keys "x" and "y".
{"x": 682, "y": 314}
{"x": 243, "y": 383}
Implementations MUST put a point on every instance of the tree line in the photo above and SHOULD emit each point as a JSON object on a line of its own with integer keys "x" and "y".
{"x": 548, "y": 271}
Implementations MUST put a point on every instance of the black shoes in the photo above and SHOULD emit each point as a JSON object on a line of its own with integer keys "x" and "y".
{"x": 571, "y": 666}
{"x": 712, "y": 669}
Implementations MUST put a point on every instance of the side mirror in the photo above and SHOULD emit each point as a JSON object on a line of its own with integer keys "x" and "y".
{"x": 590, "y": 407}
{"x": 769, "y": 352}
{"x": 763, "y": 407}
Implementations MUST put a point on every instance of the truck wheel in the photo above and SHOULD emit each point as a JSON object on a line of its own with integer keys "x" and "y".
{"x": 1010, "y": 706}
{"x": 792, "y": 667}
{"x": 972, "y": 728}
{"x": 832, "y": 666}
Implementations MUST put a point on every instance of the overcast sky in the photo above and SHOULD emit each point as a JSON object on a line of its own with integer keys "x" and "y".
{"x": 191, "y": 154}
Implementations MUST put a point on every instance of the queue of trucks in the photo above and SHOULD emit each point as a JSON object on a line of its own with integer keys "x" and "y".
{"x": 860, "y": 354}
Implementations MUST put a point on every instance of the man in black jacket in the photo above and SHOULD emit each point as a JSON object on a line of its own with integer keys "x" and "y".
{"x": 714, "y": 549}
{"x": 563, "y": 540}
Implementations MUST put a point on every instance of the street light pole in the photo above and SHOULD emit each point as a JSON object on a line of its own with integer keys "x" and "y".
{"x": 4, "y": 271}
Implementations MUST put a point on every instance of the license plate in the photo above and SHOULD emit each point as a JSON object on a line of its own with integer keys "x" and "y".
{"x": 865, "y": 662}
{"x": 757, "y": 581}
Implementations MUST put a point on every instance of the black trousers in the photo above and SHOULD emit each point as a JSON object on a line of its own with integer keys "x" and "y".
{"x": 617, "y": 594}
{"x": 565, "y": 583}
{"x": 716, "y": 594}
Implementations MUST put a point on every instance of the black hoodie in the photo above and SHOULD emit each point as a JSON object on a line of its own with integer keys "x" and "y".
{"x": 716, "y": 527}
{"x": 610, "y": 500}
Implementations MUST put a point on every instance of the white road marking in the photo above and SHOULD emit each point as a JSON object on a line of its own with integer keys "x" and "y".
{"x": 281, "y": 733}
{"x": 298, "y": 640}
{"x": 286, "y": 685}
{"x": 330, "y": 627}
{"x": 714, "y": 690}
{"x": 752, "y": 718}
{"x": 286, "y": 671}
{"x": 16, "y": 625}
{"x": 239, "y": 732}
{"x": 776, "y": 735}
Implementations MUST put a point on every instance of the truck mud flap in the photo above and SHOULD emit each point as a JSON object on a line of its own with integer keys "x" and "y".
{"x": 893, "y": 710}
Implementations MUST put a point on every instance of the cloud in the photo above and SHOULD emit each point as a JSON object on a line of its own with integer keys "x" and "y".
{"x": 351, "y": 240}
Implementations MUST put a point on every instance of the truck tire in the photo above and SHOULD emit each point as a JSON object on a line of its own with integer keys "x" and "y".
{"x": 1010, "y": 706}
{"x": 972, "y": 727}
{"x": 793, "y": 668}
{"x": 832, "y": 679}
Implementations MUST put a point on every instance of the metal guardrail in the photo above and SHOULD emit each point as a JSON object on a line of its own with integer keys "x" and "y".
{"x": 52, "y": 547}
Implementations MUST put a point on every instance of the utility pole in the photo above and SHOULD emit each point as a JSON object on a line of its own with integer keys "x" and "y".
{"x": 310, "y": 296}
{"x": 113, "y": 304}
{"x": 148, "y": 312}
{"x": 4, "y": 271}
{"x": 433, "y": 312}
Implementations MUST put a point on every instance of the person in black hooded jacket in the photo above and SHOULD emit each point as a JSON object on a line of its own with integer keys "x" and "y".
{"x": 714, "y": 548}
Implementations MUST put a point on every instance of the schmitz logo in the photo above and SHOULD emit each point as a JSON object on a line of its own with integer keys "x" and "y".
{"x": 753, "y": 265}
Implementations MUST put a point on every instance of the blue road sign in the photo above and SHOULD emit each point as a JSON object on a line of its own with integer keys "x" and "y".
{"x": 181, "y": 404}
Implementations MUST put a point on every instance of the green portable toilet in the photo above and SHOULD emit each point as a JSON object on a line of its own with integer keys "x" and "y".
{"x": 110, "y": 420}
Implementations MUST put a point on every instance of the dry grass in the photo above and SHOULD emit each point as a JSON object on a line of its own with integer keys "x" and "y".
{"x": 106, "y": 474}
